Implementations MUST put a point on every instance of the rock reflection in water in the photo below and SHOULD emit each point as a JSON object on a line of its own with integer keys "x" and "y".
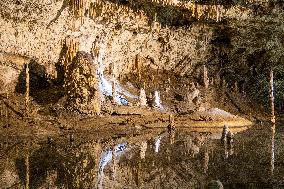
{"x": 179, "y": 159}
{"x": 272, "y": 158}
{"x": 105, "y": 159}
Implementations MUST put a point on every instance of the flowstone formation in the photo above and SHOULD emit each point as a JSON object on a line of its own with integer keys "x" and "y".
{"x": 81, "y": 85}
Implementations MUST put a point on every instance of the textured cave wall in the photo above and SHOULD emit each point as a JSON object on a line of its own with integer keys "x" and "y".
{"x": 37, "y": 35}
{"x": 237, "y": 40}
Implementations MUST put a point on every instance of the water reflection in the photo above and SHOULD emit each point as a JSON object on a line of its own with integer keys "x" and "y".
{"x": 175, "y": 159}
{"x": 105, "y": 159}
{"x": 272, "y": 158}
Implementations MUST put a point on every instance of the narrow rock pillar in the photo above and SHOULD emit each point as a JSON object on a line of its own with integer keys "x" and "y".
{"x": 205, "y": 77}
{"x": 271, "y": 96}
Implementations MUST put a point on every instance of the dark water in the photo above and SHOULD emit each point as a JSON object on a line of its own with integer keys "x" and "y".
{"x": 160, "y": 159}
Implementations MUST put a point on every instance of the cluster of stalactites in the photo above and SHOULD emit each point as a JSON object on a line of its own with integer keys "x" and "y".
{"x": 79, "y": 7}
{"x": 71, "y": 47}
{"x": 165, "y": 2}
{"x": 97, "y": 8}
{"x": 112, "y": 11}
{"x": 213, "y": 12}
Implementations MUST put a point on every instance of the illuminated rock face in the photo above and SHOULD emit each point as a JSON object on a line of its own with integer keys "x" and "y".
{"x": 81, "y": 85}
{"x": 235, "y": 41}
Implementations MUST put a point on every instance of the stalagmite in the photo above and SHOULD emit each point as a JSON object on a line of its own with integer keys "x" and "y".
{"x": 143, "y": 149}
{"x": 230, "y": 140}
{"x": 271, "y": 96}
{"x": 225, "y": 134}
{"x": 217, "y": 80}
{"x": 27, "y": 94}
{"x": 157, "y": 100}
{"x": 236, "y": 88}
{"x": 142, "y": 97}
{"x": 205, "y": 77}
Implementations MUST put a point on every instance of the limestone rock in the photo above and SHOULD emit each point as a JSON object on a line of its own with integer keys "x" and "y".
{"x": 81, "y": 85}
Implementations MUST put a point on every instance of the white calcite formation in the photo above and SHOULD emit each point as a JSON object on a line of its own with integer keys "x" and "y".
{"x": 142, "y": 98}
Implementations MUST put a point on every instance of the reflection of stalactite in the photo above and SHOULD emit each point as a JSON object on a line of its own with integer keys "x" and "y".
{"x": 27, "y": 94}
{"x": 206, "y": 161}
{"x": 136, "y": 173}
{"x": 172, "y": 136}
{"x": 114, "y": 165}
{"x": 27, "y": 165}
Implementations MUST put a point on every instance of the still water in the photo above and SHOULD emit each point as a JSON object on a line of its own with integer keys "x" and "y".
{"x": 159, "y": 159}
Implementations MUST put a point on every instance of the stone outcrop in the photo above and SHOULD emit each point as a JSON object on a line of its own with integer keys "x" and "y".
{"x": 81, "y": 85}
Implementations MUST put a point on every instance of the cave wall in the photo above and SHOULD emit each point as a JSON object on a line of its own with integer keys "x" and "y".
{"x": 238, "y": 40}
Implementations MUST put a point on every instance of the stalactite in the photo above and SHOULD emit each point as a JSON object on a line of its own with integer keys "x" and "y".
{"x": 138, "y": 66}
